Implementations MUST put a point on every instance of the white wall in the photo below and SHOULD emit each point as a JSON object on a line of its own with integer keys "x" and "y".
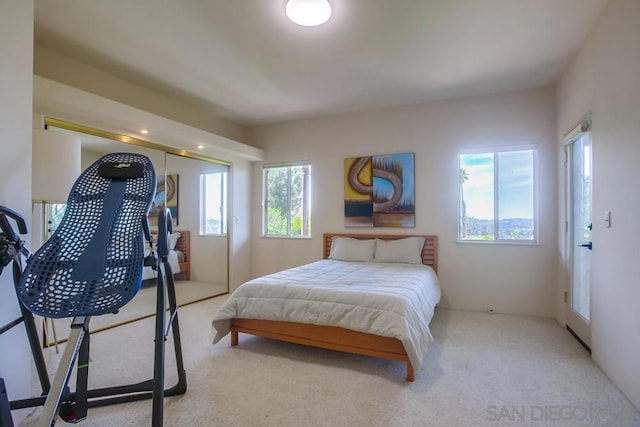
{"x": 240, "y": 223}
{"x": 513, "y": 279}
{"x": 16, "y": 49}
{"x": 605, "y": 78}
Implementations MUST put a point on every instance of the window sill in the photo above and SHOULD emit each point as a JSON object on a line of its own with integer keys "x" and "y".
{"x": 287, "y": 237}
{"x": 501, "y": 242}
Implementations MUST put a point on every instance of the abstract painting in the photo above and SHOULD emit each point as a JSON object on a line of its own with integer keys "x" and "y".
{"x": 166, "y": 195}
{"x": 379, "y": 191}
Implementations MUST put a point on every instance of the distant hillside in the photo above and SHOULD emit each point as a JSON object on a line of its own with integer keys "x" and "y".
{"x": 509, "y": 228}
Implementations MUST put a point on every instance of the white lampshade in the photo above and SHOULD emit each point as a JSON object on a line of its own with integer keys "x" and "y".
{"x": 308, "y": 13}
{"x": 55, "y": 163}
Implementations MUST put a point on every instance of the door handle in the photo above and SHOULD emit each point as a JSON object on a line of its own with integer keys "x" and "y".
{"x": 587, "y": 245}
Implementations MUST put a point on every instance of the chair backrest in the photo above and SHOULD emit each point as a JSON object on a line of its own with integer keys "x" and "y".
{"x": 92, "y": 264}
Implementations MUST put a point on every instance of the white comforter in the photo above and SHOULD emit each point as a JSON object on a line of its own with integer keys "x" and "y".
{"x": 391, "y": 300}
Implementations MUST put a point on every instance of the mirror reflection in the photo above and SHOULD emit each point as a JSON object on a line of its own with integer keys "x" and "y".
{"x": 195, "y": 191}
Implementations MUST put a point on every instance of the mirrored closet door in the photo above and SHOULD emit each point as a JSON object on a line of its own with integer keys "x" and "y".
{"x": 195, "y": 191}
{"x": 199, "y": 211}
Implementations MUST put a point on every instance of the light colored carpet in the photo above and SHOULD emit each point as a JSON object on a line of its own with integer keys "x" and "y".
{"x": 142, "y": 305}
{"x": 482, "y": 370}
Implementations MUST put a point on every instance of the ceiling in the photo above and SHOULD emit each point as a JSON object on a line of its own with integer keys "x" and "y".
{"x": 243, "y": 60}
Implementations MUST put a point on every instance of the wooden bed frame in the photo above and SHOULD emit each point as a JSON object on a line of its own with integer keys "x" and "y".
{"x": 184, "y": 245}
{"x": 335, "y": 338}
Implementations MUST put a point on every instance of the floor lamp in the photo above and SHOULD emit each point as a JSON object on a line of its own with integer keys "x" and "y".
{"x": 55, "y": 167}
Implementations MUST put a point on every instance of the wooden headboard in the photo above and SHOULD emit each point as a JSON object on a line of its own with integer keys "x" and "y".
{"x": 429, "y": 250}
{"x": 184, "y": 242}
{"x": 184, "y": 245}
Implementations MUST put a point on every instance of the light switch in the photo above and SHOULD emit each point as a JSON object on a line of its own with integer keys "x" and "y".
{"x": 607, "y": 219}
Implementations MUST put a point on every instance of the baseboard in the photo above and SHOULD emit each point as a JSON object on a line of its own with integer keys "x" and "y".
{"x": 586, "y": 347}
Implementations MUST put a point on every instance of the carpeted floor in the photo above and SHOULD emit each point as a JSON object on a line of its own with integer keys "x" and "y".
{"x": 482, "y": 370}
{"x": 142, "y": 305}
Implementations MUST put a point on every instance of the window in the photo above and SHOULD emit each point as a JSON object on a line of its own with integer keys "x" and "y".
{"x": 286, "y": 210}
{"x": 497, "y": 196}
{"x": 54, "y": 212}
{"x": 213, "y": 203}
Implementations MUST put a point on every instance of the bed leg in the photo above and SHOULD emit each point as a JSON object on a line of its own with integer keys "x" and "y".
{"x": 410, "y": 374}
{"x": 234, "y": 338}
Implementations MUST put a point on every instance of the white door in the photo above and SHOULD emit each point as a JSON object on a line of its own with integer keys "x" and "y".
{"x": 579, "y": 156}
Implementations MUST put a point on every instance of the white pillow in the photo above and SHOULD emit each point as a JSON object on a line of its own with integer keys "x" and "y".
{"x": 407, "y": 250}
{"x": 173, "y": 240}
{"x": 349, "y": 249}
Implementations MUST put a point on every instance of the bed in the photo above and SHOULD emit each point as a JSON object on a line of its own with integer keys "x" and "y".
{"x": 379, "y": 335}
{"x": 179, "y": 255}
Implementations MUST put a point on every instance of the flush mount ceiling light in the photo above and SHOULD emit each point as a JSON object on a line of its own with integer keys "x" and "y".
{"x": 308, "y": 13}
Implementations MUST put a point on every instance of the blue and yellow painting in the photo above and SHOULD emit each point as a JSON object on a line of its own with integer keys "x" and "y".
{"x": 379, "y": 191}
{"x": 166, "y": 196}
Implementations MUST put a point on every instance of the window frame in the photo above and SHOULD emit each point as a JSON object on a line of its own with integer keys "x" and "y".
{"x": 224, "y": 174}
{"x": 496, "y": 200}
{"x": 306, "y": 203}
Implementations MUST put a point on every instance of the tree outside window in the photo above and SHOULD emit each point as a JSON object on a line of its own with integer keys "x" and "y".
{"x": 286, "y": 201}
